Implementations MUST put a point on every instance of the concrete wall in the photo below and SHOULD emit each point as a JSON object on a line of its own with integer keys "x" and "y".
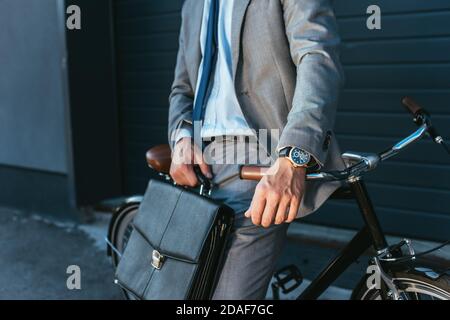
{"x": 32, "y": 105}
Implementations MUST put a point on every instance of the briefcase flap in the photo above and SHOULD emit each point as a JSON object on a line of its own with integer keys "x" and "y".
{"x": 174, "y": 221}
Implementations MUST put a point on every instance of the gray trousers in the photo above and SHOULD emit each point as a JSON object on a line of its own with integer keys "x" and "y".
{"x": 252, "y": 252}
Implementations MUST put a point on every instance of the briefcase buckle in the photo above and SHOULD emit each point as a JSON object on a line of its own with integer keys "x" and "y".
{"x": 157, "y": 260}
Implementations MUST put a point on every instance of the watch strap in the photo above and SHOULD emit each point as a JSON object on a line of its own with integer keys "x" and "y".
{"x": 284, "y": 153}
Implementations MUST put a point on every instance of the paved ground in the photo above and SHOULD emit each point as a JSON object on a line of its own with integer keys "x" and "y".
{"x": 35, "y": 254}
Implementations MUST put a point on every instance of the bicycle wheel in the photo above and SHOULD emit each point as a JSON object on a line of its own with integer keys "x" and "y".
{"x": 410, "y": 286}
{"x": 121, "y": 230}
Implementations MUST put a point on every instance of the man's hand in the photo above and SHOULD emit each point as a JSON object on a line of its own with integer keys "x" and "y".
{"x": 278, "y": 195}
{"x": 185, "y": 155}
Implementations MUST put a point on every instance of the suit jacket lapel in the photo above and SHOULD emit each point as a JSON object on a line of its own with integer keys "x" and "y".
{"x": 239, "y": 11}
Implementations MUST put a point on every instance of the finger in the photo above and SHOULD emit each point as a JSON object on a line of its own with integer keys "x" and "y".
{"x": 257, "y": 207}
{"x": 206, "y": 170}
{"x": 204, "y": 167}
{"x": 293, "y": 209}
{"x": 186, "y": 155}
{"x": 174, "y": 174}
{"x": 257, "y": 211}
{"x": 197, "y": 155}
{"x": 270, "y": 211}
{"x": 184, "y": 175}
{"x": 189, "y": 176}
{"x": 178, "y": 178}
{"x": 282, "y": 212}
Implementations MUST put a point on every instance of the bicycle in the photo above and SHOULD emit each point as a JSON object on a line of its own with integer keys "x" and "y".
{"x": 403, "y": 274}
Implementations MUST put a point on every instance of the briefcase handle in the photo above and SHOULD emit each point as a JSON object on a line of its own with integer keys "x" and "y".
{"x": 206, "y": 185}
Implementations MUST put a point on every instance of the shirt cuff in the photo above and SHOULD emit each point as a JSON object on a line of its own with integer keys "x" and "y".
{"x": 185, "y": 131}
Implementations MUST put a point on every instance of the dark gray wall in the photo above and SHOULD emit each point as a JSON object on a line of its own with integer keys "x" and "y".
{"x": 32, "y": 103}
{"x": 410, "y": 55}
{"x": 147, "y": 42}
{"x": 93, "y": 112}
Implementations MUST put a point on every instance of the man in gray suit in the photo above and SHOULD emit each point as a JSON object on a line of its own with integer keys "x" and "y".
{"x": 244, "y": 66}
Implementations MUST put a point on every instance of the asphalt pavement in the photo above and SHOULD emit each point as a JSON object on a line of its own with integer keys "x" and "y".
{"x": 35, "y": 255}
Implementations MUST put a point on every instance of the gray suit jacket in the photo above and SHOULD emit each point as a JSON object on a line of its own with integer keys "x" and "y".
{"x": 287, "y": 76}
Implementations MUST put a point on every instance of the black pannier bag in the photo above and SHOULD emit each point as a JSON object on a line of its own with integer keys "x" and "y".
{"x": 176, "y": 249}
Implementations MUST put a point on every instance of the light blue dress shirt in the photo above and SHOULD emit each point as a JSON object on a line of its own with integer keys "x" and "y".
{"x": 223, "y": 114}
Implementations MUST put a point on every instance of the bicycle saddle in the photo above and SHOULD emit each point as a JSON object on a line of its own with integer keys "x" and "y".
{"x": 159, "y": 158}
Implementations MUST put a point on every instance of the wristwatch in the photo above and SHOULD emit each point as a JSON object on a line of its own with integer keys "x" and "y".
{"x": 298, "y": 157}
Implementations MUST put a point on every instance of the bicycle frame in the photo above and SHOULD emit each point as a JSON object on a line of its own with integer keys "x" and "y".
{"x": 370, "y": 235}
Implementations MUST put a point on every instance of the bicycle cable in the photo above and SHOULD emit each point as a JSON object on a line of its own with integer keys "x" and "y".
{"x": 445, "y": 146}
{"x": 414, "y": 256}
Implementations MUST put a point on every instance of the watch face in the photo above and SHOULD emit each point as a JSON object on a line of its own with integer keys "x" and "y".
{"x": 300, "y": 157}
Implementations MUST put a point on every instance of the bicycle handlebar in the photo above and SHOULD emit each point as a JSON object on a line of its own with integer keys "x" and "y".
{"x": 370, "y": 161}
{"x": 413, "y": 107}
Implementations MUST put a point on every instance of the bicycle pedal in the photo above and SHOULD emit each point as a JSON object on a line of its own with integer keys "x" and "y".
{"x": 288, "y": 279}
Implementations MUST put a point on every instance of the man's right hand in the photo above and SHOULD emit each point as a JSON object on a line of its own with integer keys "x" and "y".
{"x": 185, "y": 155}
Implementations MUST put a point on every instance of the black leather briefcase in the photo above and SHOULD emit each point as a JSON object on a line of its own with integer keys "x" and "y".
{"x": 176, "y": 248}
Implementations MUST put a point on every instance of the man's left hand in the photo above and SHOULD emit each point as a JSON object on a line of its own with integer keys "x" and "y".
{"x": 278, "y": 195}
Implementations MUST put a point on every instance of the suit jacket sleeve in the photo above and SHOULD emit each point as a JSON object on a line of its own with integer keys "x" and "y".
{"x": 312, "y": 34}
{"x": 181, "y": 98}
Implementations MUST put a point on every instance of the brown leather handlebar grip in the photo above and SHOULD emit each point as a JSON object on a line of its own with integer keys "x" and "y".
{"x": 160, "y": 158}
{"x": 253, "y": 173}
{"x": 411, "y": 105}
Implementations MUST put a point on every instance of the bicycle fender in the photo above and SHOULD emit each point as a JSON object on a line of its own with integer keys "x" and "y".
{"x": 431, "y": 269}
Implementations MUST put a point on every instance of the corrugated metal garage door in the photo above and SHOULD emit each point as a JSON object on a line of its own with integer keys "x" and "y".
{"x": 147, "y": 43}
{"x": 410, "y": 55}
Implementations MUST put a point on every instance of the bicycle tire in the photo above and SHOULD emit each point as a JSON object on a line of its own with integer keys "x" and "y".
{"x": 122, "y": 227}
{"x": 122, "y": 222}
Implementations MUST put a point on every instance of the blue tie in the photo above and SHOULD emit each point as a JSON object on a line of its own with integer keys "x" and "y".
{"x": 209, "y": 58}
